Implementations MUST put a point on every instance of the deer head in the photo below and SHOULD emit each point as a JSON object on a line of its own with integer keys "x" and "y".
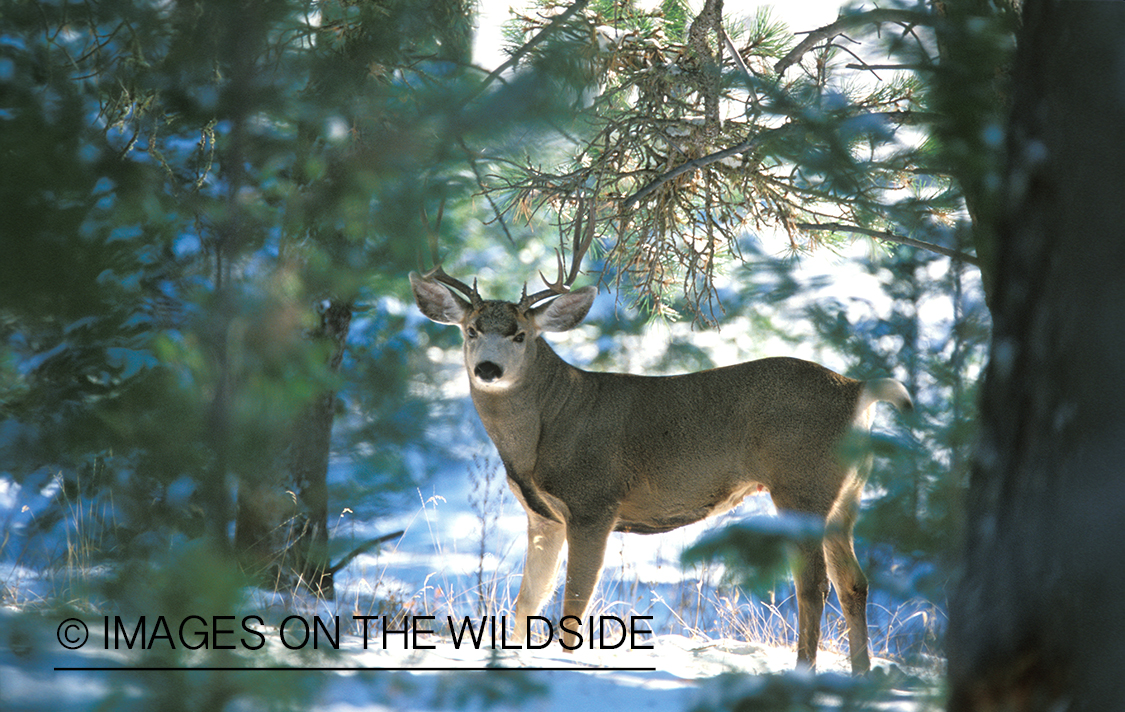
{"x": 500, "y": 337}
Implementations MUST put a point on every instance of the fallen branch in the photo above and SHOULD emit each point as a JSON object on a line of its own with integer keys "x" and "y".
{"x": 361, "y": 549}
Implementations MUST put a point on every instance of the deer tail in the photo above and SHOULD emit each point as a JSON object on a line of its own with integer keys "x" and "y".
{"x": 884, "y": 389}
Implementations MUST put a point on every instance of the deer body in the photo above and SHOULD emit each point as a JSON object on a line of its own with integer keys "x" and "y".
{"x": 590, "y": 453}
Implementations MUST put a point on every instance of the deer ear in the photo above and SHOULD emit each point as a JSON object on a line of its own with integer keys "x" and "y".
{"x": 437, "y": 302}
{"x": 565, "y": 312}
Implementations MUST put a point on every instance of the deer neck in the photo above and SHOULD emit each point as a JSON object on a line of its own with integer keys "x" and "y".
{"x": 515, "y": 417}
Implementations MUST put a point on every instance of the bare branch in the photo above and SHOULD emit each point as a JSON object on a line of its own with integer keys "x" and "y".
{"x": 362, "y": 549}
{"x": 438, "y": 273}
{"x": 688, "y": 166}
{"x": 471, "y": 158}
{"x": 897, "y": 67}
{"x": 892, "y": 237}
{"x": 583, "y": 236}
{"x": 845, "y": 23}
{"x": 750, "y": 79}
{"x": 556, "y": 22}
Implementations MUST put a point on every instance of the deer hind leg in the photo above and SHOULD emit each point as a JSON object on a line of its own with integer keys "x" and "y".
{"x": 810, "y": 573}
{"x": 540, "y": 569}
{"x": 811, "y": 578}
{"x": 586, "y": 544}
{"x": 847, "y": 577}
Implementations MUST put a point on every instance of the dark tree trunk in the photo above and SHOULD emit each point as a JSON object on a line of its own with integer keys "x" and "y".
{"x": 972, "y": 92}
{"x": 282, "y": 526}
{"x": 309, "y": 461}
{"x": 1037, "y": 621}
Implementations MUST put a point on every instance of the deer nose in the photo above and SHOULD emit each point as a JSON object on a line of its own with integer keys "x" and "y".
{"x": 488, "y": 371}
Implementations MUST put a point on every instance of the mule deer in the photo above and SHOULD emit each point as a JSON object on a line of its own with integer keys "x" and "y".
{"x": 591, "y": 453}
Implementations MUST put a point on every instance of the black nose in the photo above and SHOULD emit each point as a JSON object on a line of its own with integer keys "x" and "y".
{"x": 488, "y": 371}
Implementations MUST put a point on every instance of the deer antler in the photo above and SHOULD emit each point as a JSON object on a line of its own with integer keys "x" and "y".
{"x": 583, "y": 236}
{"x": 439, "y": 274}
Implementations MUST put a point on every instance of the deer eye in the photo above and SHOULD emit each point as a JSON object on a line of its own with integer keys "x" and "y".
{"x": 518, "y": 338}
{"x": 471, "y": 332}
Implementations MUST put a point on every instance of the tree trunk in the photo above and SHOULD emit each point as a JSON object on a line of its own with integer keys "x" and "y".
{"x": 282, "y": 526}
{"x": 971, "y": 92}
{"x": 1036, "y": 622}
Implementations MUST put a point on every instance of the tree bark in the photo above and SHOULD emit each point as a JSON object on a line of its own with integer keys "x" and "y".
{"x": 282, "y": 526}
{"x": 1037, "y": 621}
{"x": 972, "y": 94}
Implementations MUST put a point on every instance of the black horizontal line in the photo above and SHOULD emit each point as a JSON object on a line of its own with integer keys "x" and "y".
{"x": 357, "y": 669}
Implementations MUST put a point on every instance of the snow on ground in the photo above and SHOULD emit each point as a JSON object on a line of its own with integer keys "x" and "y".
{"x": 434, "y": 567}
{"x": 684, "y": 674}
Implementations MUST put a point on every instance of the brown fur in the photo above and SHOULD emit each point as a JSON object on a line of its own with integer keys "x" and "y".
{"x": 591, "y": 453}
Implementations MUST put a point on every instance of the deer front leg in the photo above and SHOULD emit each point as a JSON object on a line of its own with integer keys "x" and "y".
{"x": 586, "y": 544}
{"x": 540, "y": 569}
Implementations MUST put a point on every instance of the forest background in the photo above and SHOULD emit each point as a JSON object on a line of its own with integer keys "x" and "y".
{"x": 211, "y": 208}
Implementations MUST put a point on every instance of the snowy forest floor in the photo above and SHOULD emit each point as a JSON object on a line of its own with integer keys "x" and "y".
{"x": 685, "y": 674}
{"x": 710, "y": 649}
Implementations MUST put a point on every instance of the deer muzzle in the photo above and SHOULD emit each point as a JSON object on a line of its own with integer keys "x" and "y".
{"x": 488, "y": 372}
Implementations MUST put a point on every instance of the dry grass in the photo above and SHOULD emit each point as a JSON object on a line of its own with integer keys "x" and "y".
{"x": 696, "y": 606}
